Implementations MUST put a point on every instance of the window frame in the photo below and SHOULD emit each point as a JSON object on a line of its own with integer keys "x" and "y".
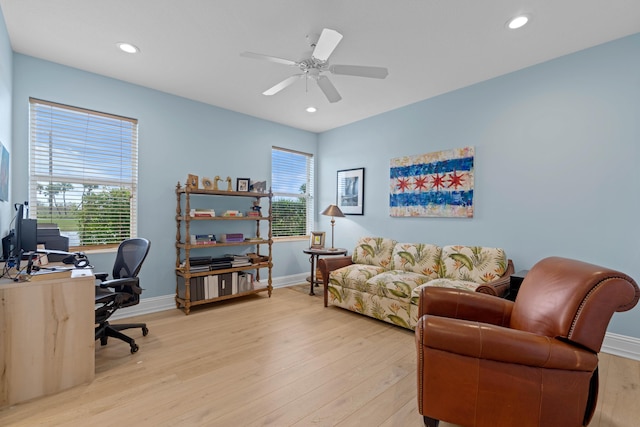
{"x": 308, "y": 195}
{"x": 128, "y": 155}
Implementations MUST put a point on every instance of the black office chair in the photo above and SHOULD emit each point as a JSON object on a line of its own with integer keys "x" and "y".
{"x": 122, "y": 290}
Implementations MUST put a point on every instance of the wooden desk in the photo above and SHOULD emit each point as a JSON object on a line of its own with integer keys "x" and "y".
{"x": 46, "y": 335}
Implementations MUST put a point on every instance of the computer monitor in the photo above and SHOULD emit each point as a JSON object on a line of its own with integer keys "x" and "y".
{"x": 25, "y": 238}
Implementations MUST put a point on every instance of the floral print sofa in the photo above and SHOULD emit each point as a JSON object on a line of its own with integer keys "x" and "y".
{"x": 383, "y": 278}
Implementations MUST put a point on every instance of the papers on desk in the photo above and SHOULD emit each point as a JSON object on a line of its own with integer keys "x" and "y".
{"x": 81, "y": 272}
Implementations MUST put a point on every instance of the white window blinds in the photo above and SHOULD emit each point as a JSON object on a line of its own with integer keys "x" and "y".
{"x": 83, "y": 172}
{"x": 292, "y": 185}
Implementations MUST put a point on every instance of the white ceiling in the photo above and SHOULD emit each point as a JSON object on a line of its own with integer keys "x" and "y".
{"x": 191, "y": 48}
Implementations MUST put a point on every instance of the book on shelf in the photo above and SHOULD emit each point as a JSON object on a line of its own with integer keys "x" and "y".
{"x": 221, "y": 263}
{"x": 204, "y": 213}
{"x": 240, "y": 260}
{"x": 254, "y": 239}
{"x": 232, "y": 213}
{"x": 232, "y": 238}
{"x": 203, "y": 239}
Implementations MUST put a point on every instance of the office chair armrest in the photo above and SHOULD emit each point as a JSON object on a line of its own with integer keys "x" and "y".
{"x": 118, "y": 284}
{"x": 101, "y": 276}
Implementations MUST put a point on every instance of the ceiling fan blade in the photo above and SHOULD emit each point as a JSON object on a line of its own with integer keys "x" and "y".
{"x": 283, "y": 84}
{"x": 360, "y": 71}
{"x": 327, "y": 42}
{"x": 328, "y": 89}
{"x": 268, "y": 58}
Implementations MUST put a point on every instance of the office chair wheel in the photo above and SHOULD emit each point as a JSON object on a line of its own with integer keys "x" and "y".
{"x": 134, "y": 348}
{"x": 145, "y": 331}
{"x": 103, "y": 340}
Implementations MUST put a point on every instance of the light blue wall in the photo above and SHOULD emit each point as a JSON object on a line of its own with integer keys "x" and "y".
{"x": 556, "y": 158}
{"x": 556, "y": 166}
{"x": 176, "y": 137}
{"x": 6, "y": 61}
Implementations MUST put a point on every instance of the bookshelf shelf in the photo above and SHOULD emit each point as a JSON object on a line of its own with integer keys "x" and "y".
{"x": 194, "y": 287}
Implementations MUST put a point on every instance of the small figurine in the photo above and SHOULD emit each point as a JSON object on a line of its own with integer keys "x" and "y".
{"x": 257, "y": 208}
{"x": 215, "y": 182}
{"x": 229, "y": 186}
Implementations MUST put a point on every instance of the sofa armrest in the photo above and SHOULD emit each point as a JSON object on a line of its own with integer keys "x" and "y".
{"x": 462, "y": 304}
{"x": 490, "y": 342}
{"x": 498, "y": 287}
{"x": 329, "y": 264}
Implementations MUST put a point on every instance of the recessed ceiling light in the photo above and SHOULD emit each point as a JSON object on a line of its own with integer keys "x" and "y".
{"x": 517, "y": 22}
{"x": 127, "y": 47}
{"x": 311, "y": 109}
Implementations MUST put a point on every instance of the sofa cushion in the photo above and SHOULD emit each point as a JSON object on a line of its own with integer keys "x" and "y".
{"x": 417, "y": 257}
{"x": 354, "y": 276}
{"x": 396, "y": 284}
{"x": 472, "y": 263}
{"x": 374, "y": 251}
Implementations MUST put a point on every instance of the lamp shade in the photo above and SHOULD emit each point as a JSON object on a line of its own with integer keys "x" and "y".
{"x": 332, "y": 210}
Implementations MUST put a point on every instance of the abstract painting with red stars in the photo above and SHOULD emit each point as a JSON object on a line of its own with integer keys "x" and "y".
{"x": 438, "y": 184}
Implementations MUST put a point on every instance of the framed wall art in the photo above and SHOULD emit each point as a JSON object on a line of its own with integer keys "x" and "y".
{"x": 350, "y": 191}
{"x": 438, "y": 184}
{"x": 4, "y": 173}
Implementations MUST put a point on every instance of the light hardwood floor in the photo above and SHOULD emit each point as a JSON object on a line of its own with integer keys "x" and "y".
{"x": 279, "y": 361}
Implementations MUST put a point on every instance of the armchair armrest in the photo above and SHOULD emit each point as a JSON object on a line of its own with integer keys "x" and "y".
{"x": 327, "y": 265}
{"x": 491, "y": 342}
{"x": 462, "y": 304}
{"x": 498, "y": 287}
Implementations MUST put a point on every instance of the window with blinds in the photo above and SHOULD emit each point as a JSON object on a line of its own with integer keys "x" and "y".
{"x": 292, "y": 186}
{"x": 83, "y": 173}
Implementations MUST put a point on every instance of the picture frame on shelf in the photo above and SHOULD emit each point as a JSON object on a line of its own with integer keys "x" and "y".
{"x": 192, "y": 181}
{"x": 350, "y": 191}
{"x": 242, "y": 185}
{"x": 317, "y": 240}
{"x": 207, "y": 183}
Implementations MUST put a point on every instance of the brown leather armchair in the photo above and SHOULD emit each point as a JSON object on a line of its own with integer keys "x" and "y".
{"x": 487, "y": 361}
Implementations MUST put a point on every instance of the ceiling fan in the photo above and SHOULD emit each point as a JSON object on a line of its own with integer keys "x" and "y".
{"x": 318, "y": 63}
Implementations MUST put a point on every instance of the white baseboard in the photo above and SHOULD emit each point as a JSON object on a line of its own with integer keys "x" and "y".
{"x": 618, "y": 345}
{"x": 621, "y": 345}
{"x": 168, "y": 302}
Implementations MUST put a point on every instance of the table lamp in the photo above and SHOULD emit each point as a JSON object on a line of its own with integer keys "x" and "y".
{"x": 332, "y": 211}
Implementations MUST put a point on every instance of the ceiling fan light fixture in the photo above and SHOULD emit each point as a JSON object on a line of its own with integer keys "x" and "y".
{"x": 517, "y": 22}
{"x": 127, "y": 47}
{"x": 311, "y": 109}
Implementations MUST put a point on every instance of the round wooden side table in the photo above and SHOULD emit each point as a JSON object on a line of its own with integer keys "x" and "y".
{"x": 314, "y": 255}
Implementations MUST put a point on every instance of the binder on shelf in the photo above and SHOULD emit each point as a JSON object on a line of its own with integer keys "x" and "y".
{"x": 245, "y": 281}
{"x": 225, "y": 284}
{"x": 212, "y": 286}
